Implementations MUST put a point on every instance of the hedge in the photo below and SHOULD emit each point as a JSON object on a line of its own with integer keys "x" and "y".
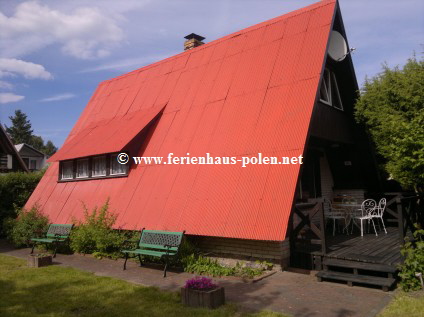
{"x": 15, "y": 189}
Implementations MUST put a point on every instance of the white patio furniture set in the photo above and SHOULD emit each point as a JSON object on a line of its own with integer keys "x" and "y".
{"x": 351, "y": 213}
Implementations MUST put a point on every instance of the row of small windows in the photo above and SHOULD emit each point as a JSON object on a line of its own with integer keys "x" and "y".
{"x": 92, "y": 167}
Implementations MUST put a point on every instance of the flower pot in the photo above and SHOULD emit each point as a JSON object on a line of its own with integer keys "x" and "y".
{"x": 208, "y": 299}
{"x": 39, "y": 260}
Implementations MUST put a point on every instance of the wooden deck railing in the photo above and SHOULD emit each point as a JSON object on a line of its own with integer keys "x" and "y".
{"x": 403, "y": 210}
{"x": 410, "y": 211}
{"x": 310, "y": 215}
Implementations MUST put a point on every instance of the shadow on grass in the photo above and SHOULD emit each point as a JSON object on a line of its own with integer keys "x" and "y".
{"x": 59, "y": 291}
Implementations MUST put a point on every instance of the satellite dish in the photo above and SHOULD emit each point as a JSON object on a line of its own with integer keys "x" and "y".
{"x": 337, "y": 49}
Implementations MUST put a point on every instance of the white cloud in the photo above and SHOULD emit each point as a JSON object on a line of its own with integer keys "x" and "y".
{"x": 13, "y": 67}
{"x": 58, "y": 97}
{"x": 5, "y": 85}
{"x": 6, "y": 97}
{"x": 128, "y": 64}
{"x": 85, "y": 33}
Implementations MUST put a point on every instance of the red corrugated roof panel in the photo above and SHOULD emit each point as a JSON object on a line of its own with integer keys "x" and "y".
{"x": 247, "y": 93}
{"x": 106, "y": 137}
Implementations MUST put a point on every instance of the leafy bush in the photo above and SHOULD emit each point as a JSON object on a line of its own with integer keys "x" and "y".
{"x": 391, "y": 107}
{"x": 95, "y": 235}
{"x": 202, "y": 265}
{"x": 199, "y": 264}
{"x": 27, "y": 225}
{"x": 15, "y": 189}
{"x": 413, "y": 252}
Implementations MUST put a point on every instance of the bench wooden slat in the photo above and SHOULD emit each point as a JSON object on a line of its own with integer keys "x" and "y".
{"x": 156, "y": 246}
{"x": 146, "y": 252}
{"x": 46, "y": 240}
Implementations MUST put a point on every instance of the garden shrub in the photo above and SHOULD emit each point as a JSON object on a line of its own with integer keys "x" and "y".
{"x": 95, "y": 235}
{"x": 27, "y": 225}
{"x": 413, "y": 252}
{"x": 15, "y": 189}
{"x": 199, "y": 264}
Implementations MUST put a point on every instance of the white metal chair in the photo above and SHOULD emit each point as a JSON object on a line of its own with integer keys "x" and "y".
{"x": 333, "y": 213}
{"x": 379, "y": 213}
{"x": 368, "y": 208}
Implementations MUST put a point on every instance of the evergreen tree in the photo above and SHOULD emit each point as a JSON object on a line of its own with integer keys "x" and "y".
{"x": 392, "y": 107}
{"x": 20, "y": 131}
{"x": 37, "y": 143}
{"x": 50, "y": 148}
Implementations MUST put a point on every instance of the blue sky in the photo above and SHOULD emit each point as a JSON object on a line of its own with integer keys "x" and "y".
{"x": 54, "y": 53}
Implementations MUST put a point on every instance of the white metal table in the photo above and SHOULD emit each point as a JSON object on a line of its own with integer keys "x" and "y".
{"x": 351, "y": 210}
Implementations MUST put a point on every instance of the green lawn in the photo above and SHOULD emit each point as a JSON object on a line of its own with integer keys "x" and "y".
{"x": 59, "y": 291}
{"x": 405, "y": 304}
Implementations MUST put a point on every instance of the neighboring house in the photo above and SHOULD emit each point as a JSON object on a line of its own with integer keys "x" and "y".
{"x": 34, "y": 159}
{"x": 10, "y": 160}
{"x": 270, "y": 89}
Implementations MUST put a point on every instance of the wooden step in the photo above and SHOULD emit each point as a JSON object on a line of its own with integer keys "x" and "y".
{"x": 360, "y": 265}
{"x": 384, "y": 282}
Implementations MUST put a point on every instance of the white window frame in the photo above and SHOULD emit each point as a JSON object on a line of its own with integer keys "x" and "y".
{"x": 326, "y": 86}
{"x": 88, "y": 168}
{"x": 337, "y": 92}
{"x": 93, "y": 170}
{"x": 329, "y": 86}
{"x": 113, "y": 159}
{"x": 63, "y": 169}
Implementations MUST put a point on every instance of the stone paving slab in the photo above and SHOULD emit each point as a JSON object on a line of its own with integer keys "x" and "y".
{"x": 295, "y": 294}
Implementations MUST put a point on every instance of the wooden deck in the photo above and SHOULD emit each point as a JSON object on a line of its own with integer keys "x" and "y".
{"x": 368, "y": 260}
{"x": 383, "y": 249}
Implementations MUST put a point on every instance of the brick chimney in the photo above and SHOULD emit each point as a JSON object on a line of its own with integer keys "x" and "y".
{"x": 193, "y": 40}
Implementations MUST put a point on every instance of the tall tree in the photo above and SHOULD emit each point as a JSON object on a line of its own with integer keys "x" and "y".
{"x": 392, "y": 107}
{"x": 50, "y": 148}
{"x": 20, "y": 131}
{"x": 37, "y": 143}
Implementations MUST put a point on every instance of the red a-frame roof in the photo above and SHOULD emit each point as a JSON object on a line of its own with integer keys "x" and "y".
{"x": 249, "y": 92}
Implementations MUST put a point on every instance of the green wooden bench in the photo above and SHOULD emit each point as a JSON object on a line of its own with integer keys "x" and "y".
{"x": 56, "y": 234}
{"x": 162, "y": 244}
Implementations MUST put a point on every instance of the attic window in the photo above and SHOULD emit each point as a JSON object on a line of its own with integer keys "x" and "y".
{"x": 67, "y": 170}
{"x": 99, "y": 166}
{"x": 329, "y": 91}
{"x": 115, "y": 167}
{"x": 82, "y": 168}
{"x": 93, "y": 167}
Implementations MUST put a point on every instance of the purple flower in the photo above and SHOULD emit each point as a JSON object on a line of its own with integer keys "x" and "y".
{"x": 200, "y": 283}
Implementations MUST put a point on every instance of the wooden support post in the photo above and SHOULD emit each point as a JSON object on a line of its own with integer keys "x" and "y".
{"x": 322, "y": 227}
{"x": 400, "y": 220}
